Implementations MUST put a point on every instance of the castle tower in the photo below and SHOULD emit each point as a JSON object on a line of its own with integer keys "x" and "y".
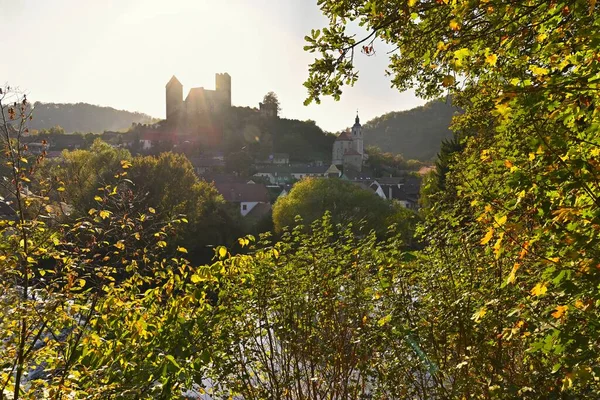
{"x": 357, "y": 137}
{"x": 223, "y": 86}
{"x": 174, "y": 91}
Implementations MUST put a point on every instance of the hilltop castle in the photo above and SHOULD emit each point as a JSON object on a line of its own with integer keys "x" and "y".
{"x": 199, "y": 101}
{"x": 348, "y": 149}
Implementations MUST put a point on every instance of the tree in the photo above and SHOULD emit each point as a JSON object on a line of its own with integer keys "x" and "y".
{"x": 515, "y": 240}
{"x": 272, "y": 100}
{"x": 84, "y": 171}
{"x": 306, "y": 317}
{"x": 347, "y": 203}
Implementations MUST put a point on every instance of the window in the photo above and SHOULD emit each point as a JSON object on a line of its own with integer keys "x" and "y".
{"x": 244, "y": 207}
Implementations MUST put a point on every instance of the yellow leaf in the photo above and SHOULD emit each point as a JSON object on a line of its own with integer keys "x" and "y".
{"x": 97, "y": 198}
{"x": 579, "y": 304}
{"x": 498, "y": 246}
{"x": 488, "y": 236}
{"x": 454, "y": 25}
{"x": 491, "y": 59}
{"x": 539, "y": 289}
{"x": 479, "y": 314}
{"x": 104, "y": 214}
{"x": 560, "y": 310}
{"x": 182, "y": 249}
{"x": 513, "y": 274}
{"x": 125, "y": 164}
{"x": 151, "y": 210}
{"x": 276, "y": 253}
{"x": 538, "y": 71}
{"x": 120, "y": 245}
{"x": 501, "y": 221}
{"x": 162, "y": 243}
{"x": 531, "y": 156}
{"x": 502, "y": 109}
{"x": 508, "y": 164}
{"x": 222, "y": 251}
{"x": 411, "y": 3}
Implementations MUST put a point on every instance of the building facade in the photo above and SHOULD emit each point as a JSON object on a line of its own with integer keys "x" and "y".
{"x": 348, "y": 149}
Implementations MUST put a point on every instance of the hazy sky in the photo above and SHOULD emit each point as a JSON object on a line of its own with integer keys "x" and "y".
{"x": 121, "y": 53}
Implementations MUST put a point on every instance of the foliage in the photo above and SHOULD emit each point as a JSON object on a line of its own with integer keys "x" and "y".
{"x": 306, "y": 318}
{"x": 415, "y": 133}
{"x": 246, "y": 130}
{"x": 271, "y": 99}
{"x": 166, "y": 183}
{"x": 68, "y": 328}
{"x": 511, "y": 256}
{"x": 388, "y": 164}
{"x": 347, "y": 203}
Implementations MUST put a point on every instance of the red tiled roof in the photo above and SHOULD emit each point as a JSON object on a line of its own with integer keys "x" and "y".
{"x": 352, "y": 152}
{"x": 243, "y": 192}
{"x": 343, "y": 136}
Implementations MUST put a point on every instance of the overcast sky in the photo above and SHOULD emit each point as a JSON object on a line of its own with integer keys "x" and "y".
{"x": 121, "y": 53}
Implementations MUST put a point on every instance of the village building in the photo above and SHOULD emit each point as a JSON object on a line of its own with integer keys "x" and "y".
{"x": 348, "y": 148}
{"x": 245, "y": 195}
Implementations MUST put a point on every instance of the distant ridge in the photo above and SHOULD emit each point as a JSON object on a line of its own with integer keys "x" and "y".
{"x": 83, "y": 117}
{"x": 415, "y": 134}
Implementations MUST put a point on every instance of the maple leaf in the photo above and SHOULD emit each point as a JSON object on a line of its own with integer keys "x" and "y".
{"x": 539, "y": 289}
{"x": 560, "y": 311}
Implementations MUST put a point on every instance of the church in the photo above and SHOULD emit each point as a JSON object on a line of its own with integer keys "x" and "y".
{"x": 348, "y": 149}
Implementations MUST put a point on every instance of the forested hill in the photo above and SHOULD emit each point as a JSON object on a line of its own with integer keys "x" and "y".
{"x": 83, "y": 117}
{"x": 416, "y": 134}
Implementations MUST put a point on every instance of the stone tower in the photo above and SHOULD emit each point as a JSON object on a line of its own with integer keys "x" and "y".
{"x": 174, "y": 90}
{"x": 357, "y": 137}
{"x": 223, "y": 87}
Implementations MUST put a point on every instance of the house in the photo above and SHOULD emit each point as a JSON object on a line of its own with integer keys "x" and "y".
{"x": 221, "y": 178}
{"x": 278, "y": 174}
{"x": 204, "y": 165}
{"x": 246, "y": 195}
{"x": 404, "y": 190}
{"x": 277, "y": 159}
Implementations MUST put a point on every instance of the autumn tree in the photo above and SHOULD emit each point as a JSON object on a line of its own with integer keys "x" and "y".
{"x": 516, "y": 239}
{"x": 347, "y": 202}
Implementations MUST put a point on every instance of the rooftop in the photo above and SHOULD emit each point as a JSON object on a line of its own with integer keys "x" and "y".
{"x": 243, "y": 192}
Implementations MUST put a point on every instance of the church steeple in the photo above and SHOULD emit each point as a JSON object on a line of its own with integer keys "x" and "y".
{"x": 357, "y": 120}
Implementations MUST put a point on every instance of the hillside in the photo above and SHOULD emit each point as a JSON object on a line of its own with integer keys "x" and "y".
{"x": 416, "y": 134}
{"x": 83, "y": 117}
{"x": 303, "y": 141}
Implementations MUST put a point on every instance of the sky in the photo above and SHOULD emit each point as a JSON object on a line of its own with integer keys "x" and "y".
{"x": 121, "y": 53}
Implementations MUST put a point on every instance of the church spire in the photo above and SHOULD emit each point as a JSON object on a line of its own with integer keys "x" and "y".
{"x": 357, "y": 120}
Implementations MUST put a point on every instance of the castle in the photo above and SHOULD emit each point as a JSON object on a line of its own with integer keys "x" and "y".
{"x": 348, "y": 148}
{"x": 199, "y": 101}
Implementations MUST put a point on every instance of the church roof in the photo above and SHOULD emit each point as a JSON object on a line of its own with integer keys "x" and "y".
{"x": 352, "y": 152}
{"x": 343, "y": 136}
{"x": 173, "y": 80}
